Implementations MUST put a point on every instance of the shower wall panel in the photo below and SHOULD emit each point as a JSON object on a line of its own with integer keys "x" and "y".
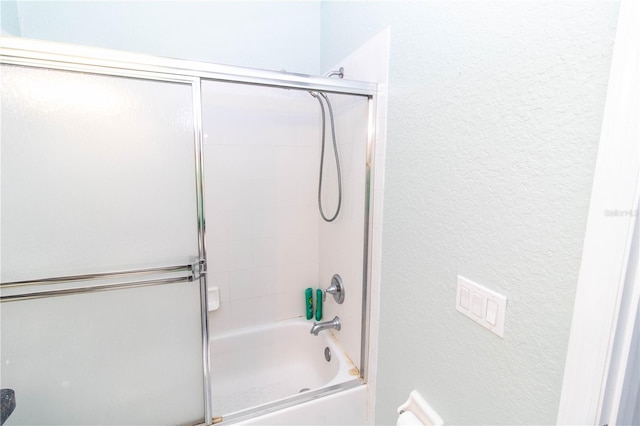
{"x": 262, "y": 152}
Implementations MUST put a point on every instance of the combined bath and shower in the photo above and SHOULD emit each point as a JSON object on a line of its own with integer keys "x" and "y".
{"x": 320, "y": 96}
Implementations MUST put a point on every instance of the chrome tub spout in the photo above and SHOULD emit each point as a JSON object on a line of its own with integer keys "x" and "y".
{"x": 319, "y": 326}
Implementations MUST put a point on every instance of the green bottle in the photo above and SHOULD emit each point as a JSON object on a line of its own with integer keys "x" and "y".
{"x": 318, "y": 305}
{"x": 309, "y": 296}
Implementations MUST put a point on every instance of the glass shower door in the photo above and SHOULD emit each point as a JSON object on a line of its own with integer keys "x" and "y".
{"x": 267, "y": 241}
{"x": 99, "y": 183}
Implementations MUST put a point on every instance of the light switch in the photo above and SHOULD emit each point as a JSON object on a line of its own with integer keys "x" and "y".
{"x": 464, "y": 297}
{"x": 482, "y": 305}
{"x": 492, "y": 312}
{"x": 476, "y": 305}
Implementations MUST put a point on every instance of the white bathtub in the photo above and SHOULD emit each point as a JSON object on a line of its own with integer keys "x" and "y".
{"x": 256, "y": 366}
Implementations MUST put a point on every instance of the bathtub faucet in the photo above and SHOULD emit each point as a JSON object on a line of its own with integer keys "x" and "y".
{"x": 319, "y": 326}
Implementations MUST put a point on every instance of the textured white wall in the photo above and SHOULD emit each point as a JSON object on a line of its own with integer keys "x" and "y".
{"x": 259, "y": 34}
{"x": 494, "y": 118}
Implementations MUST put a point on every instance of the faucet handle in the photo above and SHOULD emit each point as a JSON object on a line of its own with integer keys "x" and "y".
{"x": 336, "y": 289}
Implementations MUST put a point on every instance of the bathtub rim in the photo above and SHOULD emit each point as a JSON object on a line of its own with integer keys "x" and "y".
{"x": 288, "y": 402}
{"x": 297, "y": 321}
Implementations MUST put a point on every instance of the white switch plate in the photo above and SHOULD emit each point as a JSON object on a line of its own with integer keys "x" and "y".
{"x": 480, "y": 310}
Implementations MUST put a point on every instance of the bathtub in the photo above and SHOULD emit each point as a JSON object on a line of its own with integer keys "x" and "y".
{"x": 274, "y": 367}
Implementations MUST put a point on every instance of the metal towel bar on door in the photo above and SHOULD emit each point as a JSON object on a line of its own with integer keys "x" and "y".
{"x": 195, "y": 271}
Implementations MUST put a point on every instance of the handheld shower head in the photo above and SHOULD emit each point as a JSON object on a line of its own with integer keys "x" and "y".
{"x": 320, "y": 96}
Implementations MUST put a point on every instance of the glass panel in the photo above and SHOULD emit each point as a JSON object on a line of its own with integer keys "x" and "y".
{"x": 98, "y": 175}
{"x": 116, "y": 357}
{"x": 267, "y": 243}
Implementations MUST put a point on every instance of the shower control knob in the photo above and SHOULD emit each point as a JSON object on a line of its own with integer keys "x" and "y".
{"x": 336, "y": 289}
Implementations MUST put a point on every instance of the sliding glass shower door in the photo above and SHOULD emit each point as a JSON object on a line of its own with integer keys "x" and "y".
{"x": 267, "y": 241}
{"x": 101, "y": 309}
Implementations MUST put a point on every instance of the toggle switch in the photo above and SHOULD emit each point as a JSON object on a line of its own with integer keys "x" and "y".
{"x": 464, "y": 297}
{"x": 492, "y": 312}
{"x": 476, "y": 305}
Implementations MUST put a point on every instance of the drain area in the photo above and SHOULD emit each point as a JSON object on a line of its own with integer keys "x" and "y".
{"x": 327, "y": 354}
